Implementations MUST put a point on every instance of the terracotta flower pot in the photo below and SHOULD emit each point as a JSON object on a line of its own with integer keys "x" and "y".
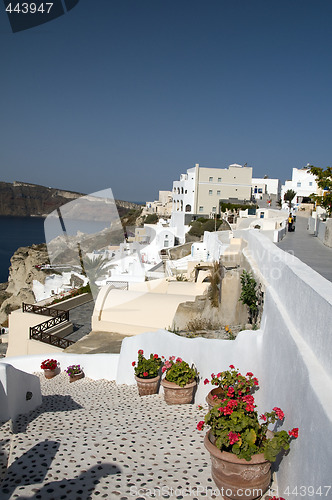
{"x": 76, "y": 376}
{"x": 211, "y": 401}
{"x": 147, "y": 386}
{"x": 51, "y": 373}
{"x": 236, "y": 477}
{"x": 176, "y": 395}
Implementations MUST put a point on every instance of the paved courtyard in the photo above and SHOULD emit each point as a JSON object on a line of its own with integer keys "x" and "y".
{"x": 94, "y": 439}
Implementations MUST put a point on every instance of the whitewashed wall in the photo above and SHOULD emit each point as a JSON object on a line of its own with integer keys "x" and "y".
{"x": 207, "y": 355}
{"x": 95, "y": 366}
{"x": 14, "y": 388}
{"x": 295, "y": 361}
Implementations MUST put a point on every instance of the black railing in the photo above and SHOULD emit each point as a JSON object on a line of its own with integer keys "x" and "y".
{"x": 47, "y": 311}
{"x": 40, "y": 332}
{"x": 48, "y": 338}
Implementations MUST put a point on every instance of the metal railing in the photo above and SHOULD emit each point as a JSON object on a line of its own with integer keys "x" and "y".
{"x": 48, "y": 338}
{"x": 40, "y": 332}
{"x": 47, "y": 311}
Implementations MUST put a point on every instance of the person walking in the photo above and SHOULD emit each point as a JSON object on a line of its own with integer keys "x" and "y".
{"x": 290, "y": 223}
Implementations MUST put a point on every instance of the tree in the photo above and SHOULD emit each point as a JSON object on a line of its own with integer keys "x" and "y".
{"x": 324, "y": 181}
{"x": 94, "y": 268}
{"x": 288, "y": 196}
{"x": 216, "y": 276}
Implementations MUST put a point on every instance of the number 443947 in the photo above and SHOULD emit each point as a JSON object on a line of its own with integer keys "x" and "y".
{"x": 29, "y": 8}
{"x": 309, "y": 491}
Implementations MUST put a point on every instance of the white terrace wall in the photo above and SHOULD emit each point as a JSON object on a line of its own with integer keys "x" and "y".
{"x": 295, "y": 359}
{"x": 19, "y": 392}
{"x": 16, "y": 377}
{"x": 95, "y": 366}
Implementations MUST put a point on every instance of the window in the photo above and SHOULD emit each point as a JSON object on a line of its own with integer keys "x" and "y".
{"x": 218, "y": 193}
{"x": 210, "y": 179}
{"x": 299, "y": 184}
{"x": 214, "y": 209}
{"x": 210, "y": 192}
{"x": 201, "y": 209}
{"x": 219, "y": 179}
{"x": 310, "y": 183}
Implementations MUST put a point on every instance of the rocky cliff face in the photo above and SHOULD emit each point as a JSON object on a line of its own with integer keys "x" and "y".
{"x": 23, "y": 199}
{"x": 21, "y": 275}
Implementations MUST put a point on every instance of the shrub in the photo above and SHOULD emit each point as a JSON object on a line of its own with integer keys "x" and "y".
{"x": 151, "y": 219}
{"x": 249, "y": 295}
{"x": 49, "y": 364}
{"x": 147, "y": 367}
{"x": 178, "y": 371}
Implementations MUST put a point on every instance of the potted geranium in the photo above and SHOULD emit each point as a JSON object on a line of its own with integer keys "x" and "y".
{"x": 241, "y": 445}
{"x": 179, "y": 381}
{"x": 51, "y": 368}
{"x": 147, "y": 373}
{"x": 231, "y": 380}
{"x": 75, "y": 372}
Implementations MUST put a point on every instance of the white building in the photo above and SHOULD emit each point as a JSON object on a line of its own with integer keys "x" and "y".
{"x": 161, "y": 207}
{"x": 265, "y": 186}
{"x": 303, "y": 183}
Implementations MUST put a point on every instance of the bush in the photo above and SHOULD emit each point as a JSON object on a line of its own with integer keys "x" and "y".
{"x": 151, "y": 219}
{"x": 74, "y": 293}
{"x": 249, "y": 295}
{"x": 235, "y": 206}
{"x": 200, "y": 225}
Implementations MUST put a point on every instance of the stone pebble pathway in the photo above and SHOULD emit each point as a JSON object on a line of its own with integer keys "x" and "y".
{"x": 95, "y": 439}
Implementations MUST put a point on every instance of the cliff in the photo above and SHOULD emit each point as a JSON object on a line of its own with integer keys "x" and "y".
{"x": 24, "y": 199}
{"x": 21, "y": 275}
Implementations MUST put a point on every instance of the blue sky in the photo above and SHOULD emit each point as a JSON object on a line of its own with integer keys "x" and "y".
{"x": 129, "y": 94}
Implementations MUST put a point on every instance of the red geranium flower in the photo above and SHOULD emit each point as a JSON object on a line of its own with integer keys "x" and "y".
{"x": 280, "y": 414}
{"x": 233, "y": 437}
{"x": 200, "y": 425}
{"x": 133, "y": 363}
{"x": 140, "y": 351}
{"x": 206, "y": 381}
{"x": 294, "y": 432}
{"x": 145, "y": 374}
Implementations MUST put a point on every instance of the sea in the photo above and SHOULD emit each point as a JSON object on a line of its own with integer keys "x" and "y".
{"x": 24, "y": 231}
{"x": 17, "y": 232}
